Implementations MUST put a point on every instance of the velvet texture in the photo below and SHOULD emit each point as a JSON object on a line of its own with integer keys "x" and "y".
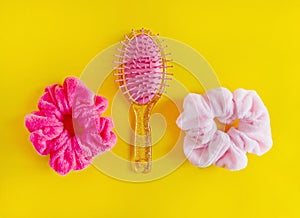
{"x": 206, "y": 144}
{"x": 68, "y": 126}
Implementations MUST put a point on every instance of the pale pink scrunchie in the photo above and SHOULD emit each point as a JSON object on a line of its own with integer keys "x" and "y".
{"x": 205, "y": 144}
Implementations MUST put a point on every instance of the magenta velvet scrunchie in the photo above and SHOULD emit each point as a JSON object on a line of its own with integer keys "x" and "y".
{"x": 68, "y": 126}
{"x": 205, "y": 144}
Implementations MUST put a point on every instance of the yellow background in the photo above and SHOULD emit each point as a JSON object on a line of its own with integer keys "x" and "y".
{"x": 250, "y": 44}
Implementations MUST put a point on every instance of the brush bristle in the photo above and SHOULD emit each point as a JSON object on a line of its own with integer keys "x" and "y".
{"x": 142, "y": 67}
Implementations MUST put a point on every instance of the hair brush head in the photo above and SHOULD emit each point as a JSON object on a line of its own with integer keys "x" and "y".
{"x": 142, "y": 67}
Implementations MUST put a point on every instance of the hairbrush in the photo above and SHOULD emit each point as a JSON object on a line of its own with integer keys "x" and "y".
{"x": 142, "y": 76}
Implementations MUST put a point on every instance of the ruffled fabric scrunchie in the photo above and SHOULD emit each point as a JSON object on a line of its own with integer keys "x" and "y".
{"x": 249, "y": 128}
{"x": 68, "y": 126}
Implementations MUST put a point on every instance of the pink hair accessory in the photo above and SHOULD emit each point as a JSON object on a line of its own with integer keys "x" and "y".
{"x": 246, "y": 128}
{"x": 68, "y": 126}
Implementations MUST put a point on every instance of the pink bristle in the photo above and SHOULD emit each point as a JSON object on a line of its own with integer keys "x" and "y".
{"x": 142, "y": 67}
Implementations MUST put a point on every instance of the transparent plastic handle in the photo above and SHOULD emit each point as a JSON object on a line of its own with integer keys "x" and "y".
{"x": 142, "y": 150}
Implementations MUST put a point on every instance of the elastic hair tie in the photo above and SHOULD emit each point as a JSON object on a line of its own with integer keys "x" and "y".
{"x": 68, "y": 126}
{"x": 246, "y": 121}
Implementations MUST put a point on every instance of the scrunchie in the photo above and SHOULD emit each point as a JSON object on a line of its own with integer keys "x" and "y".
{"x": 205, "y": 144}
{"x": 68, "y": 126}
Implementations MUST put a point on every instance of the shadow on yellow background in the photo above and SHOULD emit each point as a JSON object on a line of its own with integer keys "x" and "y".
{"x": 250, "y": 44}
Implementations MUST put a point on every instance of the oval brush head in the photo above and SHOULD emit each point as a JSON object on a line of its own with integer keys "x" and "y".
{"x": 142, "y": 67}
{"x": 142, "y": 78}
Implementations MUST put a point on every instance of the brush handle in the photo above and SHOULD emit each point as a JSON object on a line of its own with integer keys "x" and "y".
{"x": 142, "y": 150}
